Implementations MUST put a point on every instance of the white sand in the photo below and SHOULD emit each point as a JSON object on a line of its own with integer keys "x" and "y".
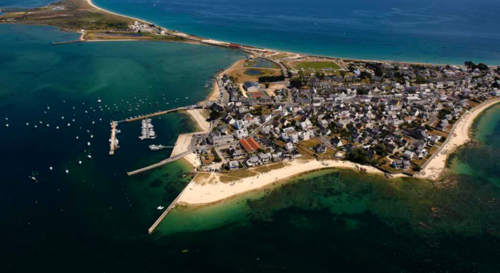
{"x": 193, "y": 159}
{"x": 458, "y": 136}
{"x": 184, "y": 140}
{"x": 198, "y": 194}
{"x": 114, "y": 13}
{"x": 182, "y": 144}
{"x": 200, "y": 119}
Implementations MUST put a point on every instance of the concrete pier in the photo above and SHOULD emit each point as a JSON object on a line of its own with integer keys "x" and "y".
{"x": 153, "y": 114}
{"x": 161, "y": 163}
{"x": 67, "y": 42}
{"x": 165, "y": 213}
{"x": 112, "y": 143}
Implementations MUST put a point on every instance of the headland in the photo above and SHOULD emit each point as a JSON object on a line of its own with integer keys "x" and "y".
{"x": 279, "y": 114}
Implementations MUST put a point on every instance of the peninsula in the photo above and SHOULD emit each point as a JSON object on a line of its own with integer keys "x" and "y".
{"x": 276, "y": 114}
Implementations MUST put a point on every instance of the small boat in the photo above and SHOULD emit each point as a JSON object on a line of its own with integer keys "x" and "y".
{"x": 77, "y": 137}
{"x": 89, "y": 156}
{"x": 79, "y": 162}
{"x": 67, "y": 171}
{"x": 27, "y": 124}
{"x": 50, "y": 168}
{"x": 160, "y": 208}
{"x": 62, "y": 117}
{"x": 98, "y": 99}
{"x": 33, "y": 176}
{"x": 48, "y": 107}
{"x": 69, "y": 124}
{"x": 36, "y": 126}
{"x": 6, "y": 118}
{"x": 7, "y": 125}
{"x": 91, "y": 136}
{"x": 57, "y": 127}
{"x": 88, "y": 143}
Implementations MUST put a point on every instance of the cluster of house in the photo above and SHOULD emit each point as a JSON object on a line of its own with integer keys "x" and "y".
{"x": 400, "y": 114}
{"x": 151, "y": 28}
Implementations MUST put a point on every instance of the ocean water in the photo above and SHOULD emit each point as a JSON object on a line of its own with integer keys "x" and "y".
{"x": 445, "y": 31}
{"x": 24, "y": 3}
{"x": 60, "y": 219}
{"x": 95, "y": 218}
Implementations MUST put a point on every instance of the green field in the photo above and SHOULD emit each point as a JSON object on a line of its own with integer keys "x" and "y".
{"x": 316, "y": 65}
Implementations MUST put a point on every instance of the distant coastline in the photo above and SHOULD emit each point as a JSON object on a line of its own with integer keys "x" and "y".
{"x": 208, "y": 188}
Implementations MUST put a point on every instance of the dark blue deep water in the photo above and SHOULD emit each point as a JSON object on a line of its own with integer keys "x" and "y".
{"x": 444, "y": 31}
{"x": 95, "y": 218}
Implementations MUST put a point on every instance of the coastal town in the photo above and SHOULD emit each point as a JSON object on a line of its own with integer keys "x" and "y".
{"x": 275, "y": 114}
{"x": 393, "y": 116}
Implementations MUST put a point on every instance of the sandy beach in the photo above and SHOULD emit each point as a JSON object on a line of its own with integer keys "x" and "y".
{"x": 458, "y": 136}
{"x": 184, "y": 140}
{"x": 198, "y": 116}
{"x": 209, "y": 189}
{"x": 182, "y": 144}
{"x": 114, "y": 13}
{"x": 214, "y": 95}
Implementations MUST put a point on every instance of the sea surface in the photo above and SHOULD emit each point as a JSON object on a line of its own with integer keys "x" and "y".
{"x": 24, "y": 3}
{"x": 444, "y": 31}
{"x": 95, "y": 218}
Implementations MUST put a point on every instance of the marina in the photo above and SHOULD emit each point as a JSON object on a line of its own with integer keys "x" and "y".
{"x": 147, "y": 130}
{"x": 113, "y": 142}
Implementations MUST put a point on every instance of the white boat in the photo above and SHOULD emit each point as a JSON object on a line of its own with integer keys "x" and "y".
{"x": 160, "y": 208}
{"x": 98, "y": 99}
{"x": 33, "y": 176}
{"x": 7, "y": 125}
{"x": 80, "y": 162}
{"x": 88, "y": 143}
{"x": 89, "y": 156}
{"x": 6, "y": 118}
{"x": 67, "y": 171}
{"x": 69, "y": 124}
{"x": 27, "y": 124}
{"x": 50, "y": 168}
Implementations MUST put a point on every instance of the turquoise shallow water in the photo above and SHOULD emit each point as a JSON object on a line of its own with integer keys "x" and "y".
{"x": 443, "y": 31}
{"x": 95, "y": 218}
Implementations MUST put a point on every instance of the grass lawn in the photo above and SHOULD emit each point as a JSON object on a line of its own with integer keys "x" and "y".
{"x": 317, "y": 66}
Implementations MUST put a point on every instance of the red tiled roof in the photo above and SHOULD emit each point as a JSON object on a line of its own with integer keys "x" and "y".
{"x": 253, "y": 143}
{"x": 250, "y": 145}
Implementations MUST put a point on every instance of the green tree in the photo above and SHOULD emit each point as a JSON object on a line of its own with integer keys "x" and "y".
{"x": 297, "y": 83}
